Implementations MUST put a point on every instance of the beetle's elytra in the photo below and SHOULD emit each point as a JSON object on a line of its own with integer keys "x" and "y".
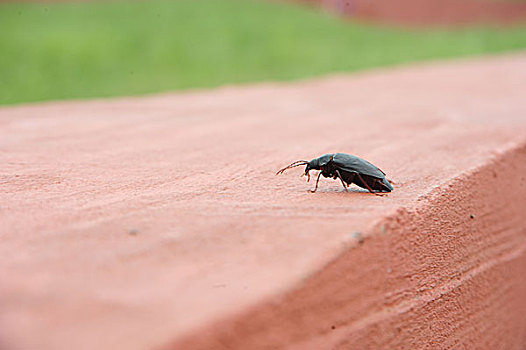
{"x": 348, "y": 168}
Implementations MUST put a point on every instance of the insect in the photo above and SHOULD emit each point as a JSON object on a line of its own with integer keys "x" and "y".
{"x": 348, "y": 168}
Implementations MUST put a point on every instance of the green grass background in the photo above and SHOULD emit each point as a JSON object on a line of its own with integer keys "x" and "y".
{"x": 94, "y": 49}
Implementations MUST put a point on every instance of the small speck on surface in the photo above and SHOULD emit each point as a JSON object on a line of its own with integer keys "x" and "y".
{"x": 133, "y": 232}
{"x": 472, "y": 216}
{"x": 357, "y": 236}
{"x": 333, "y": 327}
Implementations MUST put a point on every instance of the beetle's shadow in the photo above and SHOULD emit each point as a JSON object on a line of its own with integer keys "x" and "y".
{"x": 353, "y": 190}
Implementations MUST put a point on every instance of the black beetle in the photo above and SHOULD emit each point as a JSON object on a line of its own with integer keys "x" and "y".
{"x": 348, "y": 168}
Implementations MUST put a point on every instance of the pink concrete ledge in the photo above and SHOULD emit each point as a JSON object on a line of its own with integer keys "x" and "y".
{"x": 158, "y": 222}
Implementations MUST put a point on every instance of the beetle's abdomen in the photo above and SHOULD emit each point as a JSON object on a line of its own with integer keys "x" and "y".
{"x": 387, "y": 184}
{"x": 374, "y": 183}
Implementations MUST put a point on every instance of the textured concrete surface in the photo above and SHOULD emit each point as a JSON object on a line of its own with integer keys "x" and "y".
{"x": 158, "y": 222}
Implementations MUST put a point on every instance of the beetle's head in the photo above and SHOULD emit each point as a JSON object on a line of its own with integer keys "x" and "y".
{"x": 312, "y": 165}
{"x": 318, "y": 163}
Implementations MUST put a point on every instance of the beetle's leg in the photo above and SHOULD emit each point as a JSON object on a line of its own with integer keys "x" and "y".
{"x": 317, "y": 180}
{"x": 341, "y": 179}
{"x": 366, "y": 185}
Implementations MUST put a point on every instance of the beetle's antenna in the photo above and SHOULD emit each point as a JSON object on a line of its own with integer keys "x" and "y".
{"x": 292, "y": 165}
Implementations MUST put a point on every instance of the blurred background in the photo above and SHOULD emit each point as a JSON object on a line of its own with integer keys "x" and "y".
{"x": 74, "y": 50}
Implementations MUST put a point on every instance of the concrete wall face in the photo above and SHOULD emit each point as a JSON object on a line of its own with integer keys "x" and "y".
{"x": 446, "y": 274}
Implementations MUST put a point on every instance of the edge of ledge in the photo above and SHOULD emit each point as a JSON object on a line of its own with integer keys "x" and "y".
{"x": 425, "y": 264}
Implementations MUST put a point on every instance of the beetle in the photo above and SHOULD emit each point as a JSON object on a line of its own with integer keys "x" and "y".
{"x": 348, "y": 168}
